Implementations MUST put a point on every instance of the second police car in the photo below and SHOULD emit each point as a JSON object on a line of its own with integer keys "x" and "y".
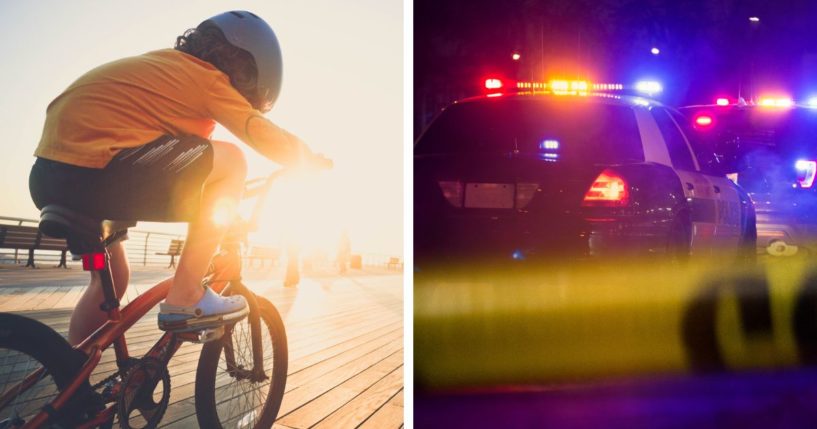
{"x": 769, "y": 145}
{"x": 560, "y": 169}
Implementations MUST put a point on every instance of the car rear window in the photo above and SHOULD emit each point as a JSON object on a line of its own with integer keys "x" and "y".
{"x": 564, "y": 130}
{"x": 786, "y": 131}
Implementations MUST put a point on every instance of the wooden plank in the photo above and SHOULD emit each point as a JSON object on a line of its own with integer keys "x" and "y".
{"x": 9, "y": 293}
{"x": 336, "y": 395}
{"x": 363, "y": 406}
{"x": 70, "y": 299}
{"x": 37, "y": 301}
{"x": 318, "y": 370}
{"x": 18, "y": 302}
{"x": 390, "y": 415}
{"x": 58, "y": 294}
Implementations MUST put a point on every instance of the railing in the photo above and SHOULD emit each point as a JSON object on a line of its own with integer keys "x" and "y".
{"x": 142, "y": 248}
{"x": 379, "y": 260}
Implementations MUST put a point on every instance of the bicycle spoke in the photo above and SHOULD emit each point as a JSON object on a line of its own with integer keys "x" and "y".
{"x": 14, "y": 369}
{"x": 240, "y": 401}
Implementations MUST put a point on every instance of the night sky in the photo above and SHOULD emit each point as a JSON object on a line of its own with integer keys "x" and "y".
{"x": 708, "y": 48}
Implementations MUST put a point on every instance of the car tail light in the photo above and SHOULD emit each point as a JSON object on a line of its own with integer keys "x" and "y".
{"x": 525, "y": 193}
{"x": 722, "y": 102}
{"x": 453, "y": 192}
{"x": 805, "y": 172}
{"x": 608, "y": 190}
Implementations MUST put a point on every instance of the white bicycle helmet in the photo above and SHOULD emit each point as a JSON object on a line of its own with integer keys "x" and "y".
{"x": 247, "y": 31}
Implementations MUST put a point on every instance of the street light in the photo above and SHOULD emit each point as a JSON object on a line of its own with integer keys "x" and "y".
{"x": 516, "y": 56}
{"x": 754, "y": 19}
{"x": 655, "y": 51}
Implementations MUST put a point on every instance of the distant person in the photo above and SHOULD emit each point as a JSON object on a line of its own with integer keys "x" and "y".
{"x": 293, "y": 275}
{"x": 344, "y": 252}
{"x": 130, "y": 140}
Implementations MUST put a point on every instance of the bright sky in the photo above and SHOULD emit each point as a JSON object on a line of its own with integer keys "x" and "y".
{"x": 342, "y": 94}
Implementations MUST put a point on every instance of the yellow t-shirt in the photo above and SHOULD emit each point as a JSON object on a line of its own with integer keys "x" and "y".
{"x": 133, "y": 101}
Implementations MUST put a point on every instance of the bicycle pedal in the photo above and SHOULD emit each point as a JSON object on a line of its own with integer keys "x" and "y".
{"x": 203, "y": 336}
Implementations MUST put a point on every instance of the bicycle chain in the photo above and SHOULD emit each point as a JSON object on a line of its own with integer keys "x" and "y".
{"x": 119, "y": 373}
{"x": 132, "y": 361}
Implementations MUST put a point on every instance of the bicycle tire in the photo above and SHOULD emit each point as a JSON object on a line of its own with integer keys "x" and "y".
{"x": 21, "y": 338}
{"x": 212, "y": 369}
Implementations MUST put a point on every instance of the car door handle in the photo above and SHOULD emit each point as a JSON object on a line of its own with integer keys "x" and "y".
{"x": 690, "y": 186}
{"x": 717, "y": 189}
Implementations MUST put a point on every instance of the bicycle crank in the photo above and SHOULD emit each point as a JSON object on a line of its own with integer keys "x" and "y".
{"x": 203, "y": 336}
{"x": 144, "y": 396}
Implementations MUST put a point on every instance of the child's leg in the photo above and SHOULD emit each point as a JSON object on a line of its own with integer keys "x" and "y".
{"x": 223, "y": 186}
{"x": 87, "y": 315}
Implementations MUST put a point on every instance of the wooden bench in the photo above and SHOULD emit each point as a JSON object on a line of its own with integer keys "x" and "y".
{"x": 30, "y": 238}
{"x": 174, "y": 249}
{"x": 261, "y": 253}
{"x": 394, "y": 262}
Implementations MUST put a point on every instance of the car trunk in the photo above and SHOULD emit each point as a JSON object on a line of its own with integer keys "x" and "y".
{"x": 499, "y": 204}
{"x": 506, "y": 177}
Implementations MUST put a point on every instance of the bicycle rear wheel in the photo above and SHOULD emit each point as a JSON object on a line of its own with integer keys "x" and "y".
{"x": 228, "y": 394}
{"x": 27, "y": 346}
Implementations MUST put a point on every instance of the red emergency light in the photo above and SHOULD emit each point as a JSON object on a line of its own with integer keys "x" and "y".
{"x": 493, "y": 83}
{"x": 703, "y": 121}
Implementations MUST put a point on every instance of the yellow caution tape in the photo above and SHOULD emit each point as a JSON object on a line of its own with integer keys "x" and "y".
{"x": 586, "y": 322}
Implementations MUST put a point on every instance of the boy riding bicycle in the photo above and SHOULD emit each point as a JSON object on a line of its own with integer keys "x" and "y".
{"x": 129, "y": 140}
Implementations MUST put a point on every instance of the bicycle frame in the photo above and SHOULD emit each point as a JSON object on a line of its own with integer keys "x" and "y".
{"x": 225, "y": 272}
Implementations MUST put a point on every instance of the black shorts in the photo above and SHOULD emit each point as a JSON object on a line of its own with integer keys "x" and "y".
{"x": 160, "y": 181}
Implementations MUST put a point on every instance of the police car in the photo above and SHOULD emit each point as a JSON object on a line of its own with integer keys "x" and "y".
{"x": 769, "y": 144}
{"x": 562, "y": 168}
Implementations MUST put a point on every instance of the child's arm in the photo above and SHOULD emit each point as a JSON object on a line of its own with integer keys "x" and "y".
{"x": 230, "y": 109}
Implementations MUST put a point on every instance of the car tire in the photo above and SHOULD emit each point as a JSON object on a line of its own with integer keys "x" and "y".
{"x": 679, "y": 239}
{"x": 747, "y": 247}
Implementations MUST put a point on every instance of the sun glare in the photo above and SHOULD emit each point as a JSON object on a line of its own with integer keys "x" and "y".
{"x": 224, "y": 212}
{"x": 302, "y": 210}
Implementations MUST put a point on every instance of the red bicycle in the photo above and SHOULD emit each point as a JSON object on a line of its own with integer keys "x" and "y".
{"x": 241, "y": 373}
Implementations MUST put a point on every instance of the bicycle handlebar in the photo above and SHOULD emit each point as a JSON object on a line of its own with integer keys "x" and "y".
{"x": 259, "y": 187}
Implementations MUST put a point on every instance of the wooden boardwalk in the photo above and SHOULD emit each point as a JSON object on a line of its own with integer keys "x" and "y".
{"x": 345, "y": 344}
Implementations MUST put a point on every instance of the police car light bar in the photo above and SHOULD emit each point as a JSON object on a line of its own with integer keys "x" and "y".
{"x": 775, "y": 102}
{"x": 608, "y": 87}
{"x": 493, "y": 85}
{"x": 649, "y": 87}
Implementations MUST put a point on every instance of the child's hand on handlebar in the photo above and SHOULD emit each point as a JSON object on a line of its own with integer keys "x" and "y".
{"x": 319, "y": 162}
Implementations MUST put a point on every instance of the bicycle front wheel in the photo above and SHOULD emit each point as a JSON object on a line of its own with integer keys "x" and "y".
{"x": 230, "y": 390}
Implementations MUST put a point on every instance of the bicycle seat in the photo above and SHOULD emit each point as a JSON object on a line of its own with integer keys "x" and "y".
{"x": 83, "y": 233}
